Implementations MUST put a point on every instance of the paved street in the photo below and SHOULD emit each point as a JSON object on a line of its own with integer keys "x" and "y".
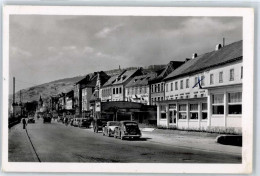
{"x": 56, "y": 142}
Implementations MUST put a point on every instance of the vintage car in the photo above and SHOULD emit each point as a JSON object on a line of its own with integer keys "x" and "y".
{"x": 127, "y": 129}
{"x": 84, "y": 122}
{"x": 31, "y": 120}
{"x": 75, "y": 122}
{"x": 47, "y": 118}
{"x": 98, "y": 124}
{"x": 109, "y": 129}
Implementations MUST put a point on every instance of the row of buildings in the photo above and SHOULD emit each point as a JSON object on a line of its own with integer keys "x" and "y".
{"x": 203, "y": 92}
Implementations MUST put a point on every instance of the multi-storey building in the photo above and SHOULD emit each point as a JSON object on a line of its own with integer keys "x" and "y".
{"x": 157, "y": 84}
{"x": 205, "y": 92}
{"x": 83, "y": 90}
{"x": 69, "y": 99}
{"x": 105, "y": 92}
{"x": 137, "y": 90}
{"x": 90, "y": 85}
{"x": 114, "y": 89}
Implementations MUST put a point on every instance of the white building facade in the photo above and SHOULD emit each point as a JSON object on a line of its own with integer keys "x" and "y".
{"x": 213, "y": 104}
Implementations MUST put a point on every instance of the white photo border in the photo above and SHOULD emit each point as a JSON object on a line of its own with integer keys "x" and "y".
{"x": 248, "y": 85}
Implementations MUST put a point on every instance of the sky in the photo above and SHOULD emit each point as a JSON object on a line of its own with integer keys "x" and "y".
{"x": 45, "y": 48}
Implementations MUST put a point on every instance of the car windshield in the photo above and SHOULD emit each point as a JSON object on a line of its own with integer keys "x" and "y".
{"x": 113, "y": 123}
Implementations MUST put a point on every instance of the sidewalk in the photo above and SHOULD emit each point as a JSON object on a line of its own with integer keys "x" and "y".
{"x": 18, "y": 137}
{"x": 192, "y": 140}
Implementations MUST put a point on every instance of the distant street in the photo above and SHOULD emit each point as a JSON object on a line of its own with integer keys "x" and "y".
{"x": 56, "y": 142}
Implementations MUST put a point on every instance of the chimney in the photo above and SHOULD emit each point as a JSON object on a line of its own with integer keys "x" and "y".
{"x": 194, "y": 55}
{"x": 218, "y": 47}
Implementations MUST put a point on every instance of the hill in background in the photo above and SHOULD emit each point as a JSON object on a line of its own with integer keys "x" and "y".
{"x": 63, "y": 85}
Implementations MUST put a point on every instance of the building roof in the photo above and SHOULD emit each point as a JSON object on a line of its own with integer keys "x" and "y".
{"x": 141, "y": 80}
{"x": 172, "y": 65}
{"x": 110, "y": 81}
{"x": 226, "y": 54}
{"x": 91, "y": 79}
{"x": 124, "y": 76}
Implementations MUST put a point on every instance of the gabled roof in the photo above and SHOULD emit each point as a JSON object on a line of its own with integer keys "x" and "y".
{"x": 172, "y": 65}
{"x": 226, "y": 54}
{"x": 91, "y": 79}
{"x": 110, "y": 81}
{"x": 124, "y": 76}
{"x": 141, "y": 80}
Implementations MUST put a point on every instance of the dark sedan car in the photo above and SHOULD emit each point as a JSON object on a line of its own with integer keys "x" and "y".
{"x": 31, "y": 120}
{"x": 127, "y": 129}
{"x": 47, "y": 118}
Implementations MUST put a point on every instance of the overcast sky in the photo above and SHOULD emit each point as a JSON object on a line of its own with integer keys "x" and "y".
{"x": 47, "y": 48}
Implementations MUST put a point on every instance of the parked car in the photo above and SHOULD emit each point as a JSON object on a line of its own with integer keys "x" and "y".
{"x": 47, "y": 118}
{"x": 71, "y": 122}
{"x": 84, "y": 122}
{"x": 31, "y": 120}
{"x": 109, "y": 129}
{"x": 76, "y": 122}
{"x": 98, "y": 124}
{"x": 127, "y": 129}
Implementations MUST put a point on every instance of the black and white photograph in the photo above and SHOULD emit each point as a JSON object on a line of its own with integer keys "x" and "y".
{"x": 148, "y": 89}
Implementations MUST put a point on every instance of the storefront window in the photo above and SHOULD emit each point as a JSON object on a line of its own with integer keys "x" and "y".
{"x": 218, "y": 104}
{"x": 163, "y": 112}
{"x": 235, "y": 103}
{"x": 204, "y": 111}
{"x": 194, "y": 111}
{"x": 182, "y": 111}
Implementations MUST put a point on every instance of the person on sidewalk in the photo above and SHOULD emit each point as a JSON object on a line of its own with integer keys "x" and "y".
{"x": 24, "y": 123}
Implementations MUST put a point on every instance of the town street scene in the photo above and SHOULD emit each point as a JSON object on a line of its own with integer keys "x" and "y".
{"x": 125, "y": 89}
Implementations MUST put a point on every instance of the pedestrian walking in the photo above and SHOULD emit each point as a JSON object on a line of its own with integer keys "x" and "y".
{"x": 24, "y": 123}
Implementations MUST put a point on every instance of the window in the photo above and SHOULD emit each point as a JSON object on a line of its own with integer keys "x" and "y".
{"x": 202, "y": 80}
{"x": 211, "y": 79}
{"x": 187, "y": 83}
{"x": 241, "y": 72}
{"x": 220, "y": 77}
{"x": 194, "y": 114}
{"x": 235, "y": 103}
{"x": 196, "y": 81}
{"x": 120, "y": 90}
{"x": 176, "y": 85}
{"x": 152, "y": 88}
{"x": 231, "y": 75}
{"x": 117, "y": 90}
{"x": 162, "y": 87}
{"x": 181, "y": 86}
{"x": 145, "y": 90}
{"x": 159, "y": 87}
{"x": 204, "y": 111}
{"x": 155, "y": 88}
{"x": 218, "y": 104}
{"x": 182, "y": 111}
{"x": 114, "y": 91}
{"x": 166, "y": 87}
{"x": 171, "y": 86}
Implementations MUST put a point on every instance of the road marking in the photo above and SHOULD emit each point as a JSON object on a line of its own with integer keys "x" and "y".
{"x": 32, "y": 145}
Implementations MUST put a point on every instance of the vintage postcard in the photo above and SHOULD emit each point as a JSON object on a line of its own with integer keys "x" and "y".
{"x": 128, "y": 89}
